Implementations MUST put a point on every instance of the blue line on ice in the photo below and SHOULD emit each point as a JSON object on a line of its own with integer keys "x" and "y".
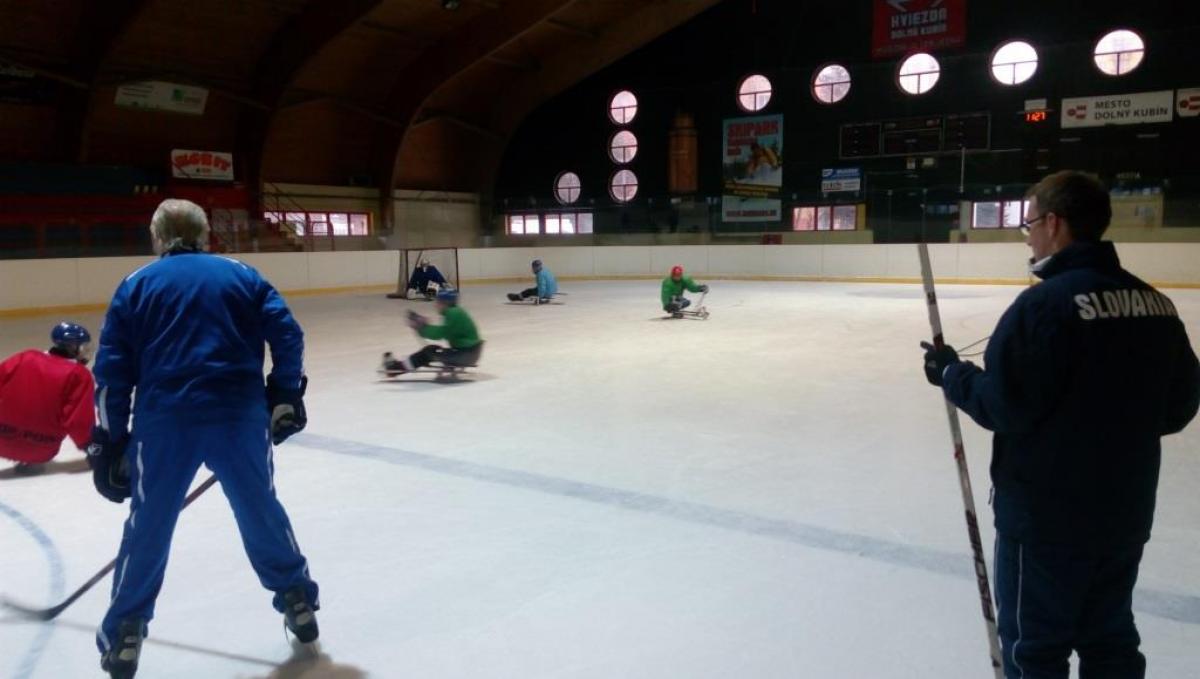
{"x": 1178, "y": 607}
{"x": 30, "y": 660}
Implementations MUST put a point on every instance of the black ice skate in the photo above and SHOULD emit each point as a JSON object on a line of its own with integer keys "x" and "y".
{"x": 299, "y": 617}
{"x": 514, "y": 297}
{"x": 121, "y": 660}
{"x": 391, "y": 366}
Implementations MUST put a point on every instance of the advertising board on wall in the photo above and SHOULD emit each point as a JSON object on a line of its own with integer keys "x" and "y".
{"x": 904, "y": 26}
{"x": 752, "y": 169}
{"x": 1119, "y": 109}
{"x": 214, "y": 165}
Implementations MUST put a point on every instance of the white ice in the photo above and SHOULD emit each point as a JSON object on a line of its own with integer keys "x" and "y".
{"x": 768, "y": 493}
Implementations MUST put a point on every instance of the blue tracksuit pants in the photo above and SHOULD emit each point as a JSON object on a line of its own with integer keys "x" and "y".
{"x": 1052, "y": 601}
{"x": 163, "y": 460}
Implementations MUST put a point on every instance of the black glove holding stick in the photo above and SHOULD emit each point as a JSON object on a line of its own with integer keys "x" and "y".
{"x": 937, "y": 359}
{"x": 286, "y": 406}
{"x": 110, "y": 469}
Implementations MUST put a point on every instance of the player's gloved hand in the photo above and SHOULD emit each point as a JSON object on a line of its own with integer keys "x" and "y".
{"x": 416, "y": 321}
{"x": 937, "y": 360}
{"x": 286, "y": 406}
{"x": 110, "y": 470}
{"x": 703, "y": 288}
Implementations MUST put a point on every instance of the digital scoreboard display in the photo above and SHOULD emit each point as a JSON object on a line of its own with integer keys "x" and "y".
{"x": 860, "y": 140}
{"x": 916, "y": 136}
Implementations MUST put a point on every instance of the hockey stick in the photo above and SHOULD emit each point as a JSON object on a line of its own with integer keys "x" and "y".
{"x": 45, "y": 614}
{"x": 964, "y": 477}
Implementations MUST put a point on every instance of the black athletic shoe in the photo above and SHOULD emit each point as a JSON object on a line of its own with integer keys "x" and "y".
{"x": 299, "y": 617}
{"x": 514, "y": 297}
{"x": 121, "y": 661}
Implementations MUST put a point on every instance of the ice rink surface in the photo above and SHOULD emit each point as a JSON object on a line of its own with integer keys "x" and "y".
{"x": 768, "y": 493}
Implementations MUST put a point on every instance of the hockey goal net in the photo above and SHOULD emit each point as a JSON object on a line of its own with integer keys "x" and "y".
{"x": 445, "y": 260}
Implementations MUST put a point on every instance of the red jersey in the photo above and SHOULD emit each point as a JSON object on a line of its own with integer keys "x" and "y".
{"x": 43, "y": 398}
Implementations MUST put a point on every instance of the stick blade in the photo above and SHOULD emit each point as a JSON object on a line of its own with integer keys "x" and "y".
{"x": 42, "y": 614}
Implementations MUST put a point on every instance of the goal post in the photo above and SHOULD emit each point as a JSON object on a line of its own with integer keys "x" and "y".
{"x": 444, "y": 259}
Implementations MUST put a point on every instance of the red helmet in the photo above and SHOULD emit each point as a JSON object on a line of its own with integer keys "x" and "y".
{"x": 676, "y": 271}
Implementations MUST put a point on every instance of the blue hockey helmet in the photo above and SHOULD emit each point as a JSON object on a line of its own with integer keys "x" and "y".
{"x": 70, "y": 337}
{"x": 448, "y": 296}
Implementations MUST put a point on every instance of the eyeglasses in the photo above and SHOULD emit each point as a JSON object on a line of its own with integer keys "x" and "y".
{"x": 1025, "y": 225}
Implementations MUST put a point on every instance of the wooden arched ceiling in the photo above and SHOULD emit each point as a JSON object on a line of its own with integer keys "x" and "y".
{"x": 400, "y": 93}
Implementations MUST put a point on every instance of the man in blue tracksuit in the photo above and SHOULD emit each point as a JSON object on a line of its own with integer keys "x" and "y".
{"x": 545, "y": 288}
{"x": 186, "y": 335}
{"x": 1085, "y": 372}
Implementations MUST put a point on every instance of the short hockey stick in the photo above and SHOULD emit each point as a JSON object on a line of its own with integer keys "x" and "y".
{"x": 964, "y": 477}
{"x": 51, "y": 613}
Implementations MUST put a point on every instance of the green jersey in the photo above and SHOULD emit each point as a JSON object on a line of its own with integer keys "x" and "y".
{"x": 672, "y": 288}
{"x": 458, "y": 329}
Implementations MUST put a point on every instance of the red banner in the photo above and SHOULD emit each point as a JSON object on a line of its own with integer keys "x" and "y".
{"x": 903, "y": 26}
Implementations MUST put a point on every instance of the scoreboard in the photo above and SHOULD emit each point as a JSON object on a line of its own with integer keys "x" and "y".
{"x": 916, "y": 136}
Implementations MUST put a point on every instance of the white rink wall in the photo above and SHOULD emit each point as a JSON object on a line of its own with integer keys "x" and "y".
{"x": 1173, "y": 264}
{"x": 34, "y": 284}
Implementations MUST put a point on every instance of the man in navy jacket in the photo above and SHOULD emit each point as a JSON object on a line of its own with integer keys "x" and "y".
{"x": 1085, "y": 372}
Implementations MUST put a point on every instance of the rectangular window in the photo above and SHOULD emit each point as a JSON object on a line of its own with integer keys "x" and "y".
{"x": 318, "y": 223}
{"x": 323, "y": 224}
{"x": 1014, "y": 213}
{"x": 524, "y": 225}
{"x": 986, "y": 215}
{"x": 340, "y": 223}
{"x": 845, "y": 217}
{"x": 298, "y": 221}
{"x": 556, "y": 223}
{"x": 824, "y": 217}
{"x": 804, "y": 218}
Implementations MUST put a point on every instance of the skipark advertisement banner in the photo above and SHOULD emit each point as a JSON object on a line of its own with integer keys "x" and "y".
{"x": 752, "y": 164}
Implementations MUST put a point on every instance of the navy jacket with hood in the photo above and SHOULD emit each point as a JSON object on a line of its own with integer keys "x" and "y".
{"x": 1085, "y": 372}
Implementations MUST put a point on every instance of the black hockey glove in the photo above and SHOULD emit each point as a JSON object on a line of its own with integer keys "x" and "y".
{"x": 937, "y": 360}
{"x": 110, "y": 470}
{"x": 286, "y": 406}
{"x": 703, "y": 288}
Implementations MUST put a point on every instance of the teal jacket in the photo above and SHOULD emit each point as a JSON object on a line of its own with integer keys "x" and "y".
{"x": 546, "y": 285}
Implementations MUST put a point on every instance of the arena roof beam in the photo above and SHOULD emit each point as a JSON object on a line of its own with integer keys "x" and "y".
{"x": 572, "y": 28}
{"x": 101, "y": 27}
{"x": 292, "y": 47}
{"x": 437, "y": 66}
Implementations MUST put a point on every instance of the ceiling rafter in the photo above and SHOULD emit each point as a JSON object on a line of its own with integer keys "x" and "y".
{"x": 475, "y": 42}
{"x": 292, "y": 47}
{"x": 572, "y": 28}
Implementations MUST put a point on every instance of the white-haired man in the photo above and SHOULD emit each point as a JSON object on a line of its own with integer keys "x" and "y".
{"x": 187, "y": 334}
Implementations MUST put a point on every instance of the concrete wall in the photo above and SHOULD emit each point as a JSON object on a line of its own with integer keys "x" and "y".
{"x": 30, "y": 284}
{"x": 435, "y": 219}
{"x": 33, "y": 283}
